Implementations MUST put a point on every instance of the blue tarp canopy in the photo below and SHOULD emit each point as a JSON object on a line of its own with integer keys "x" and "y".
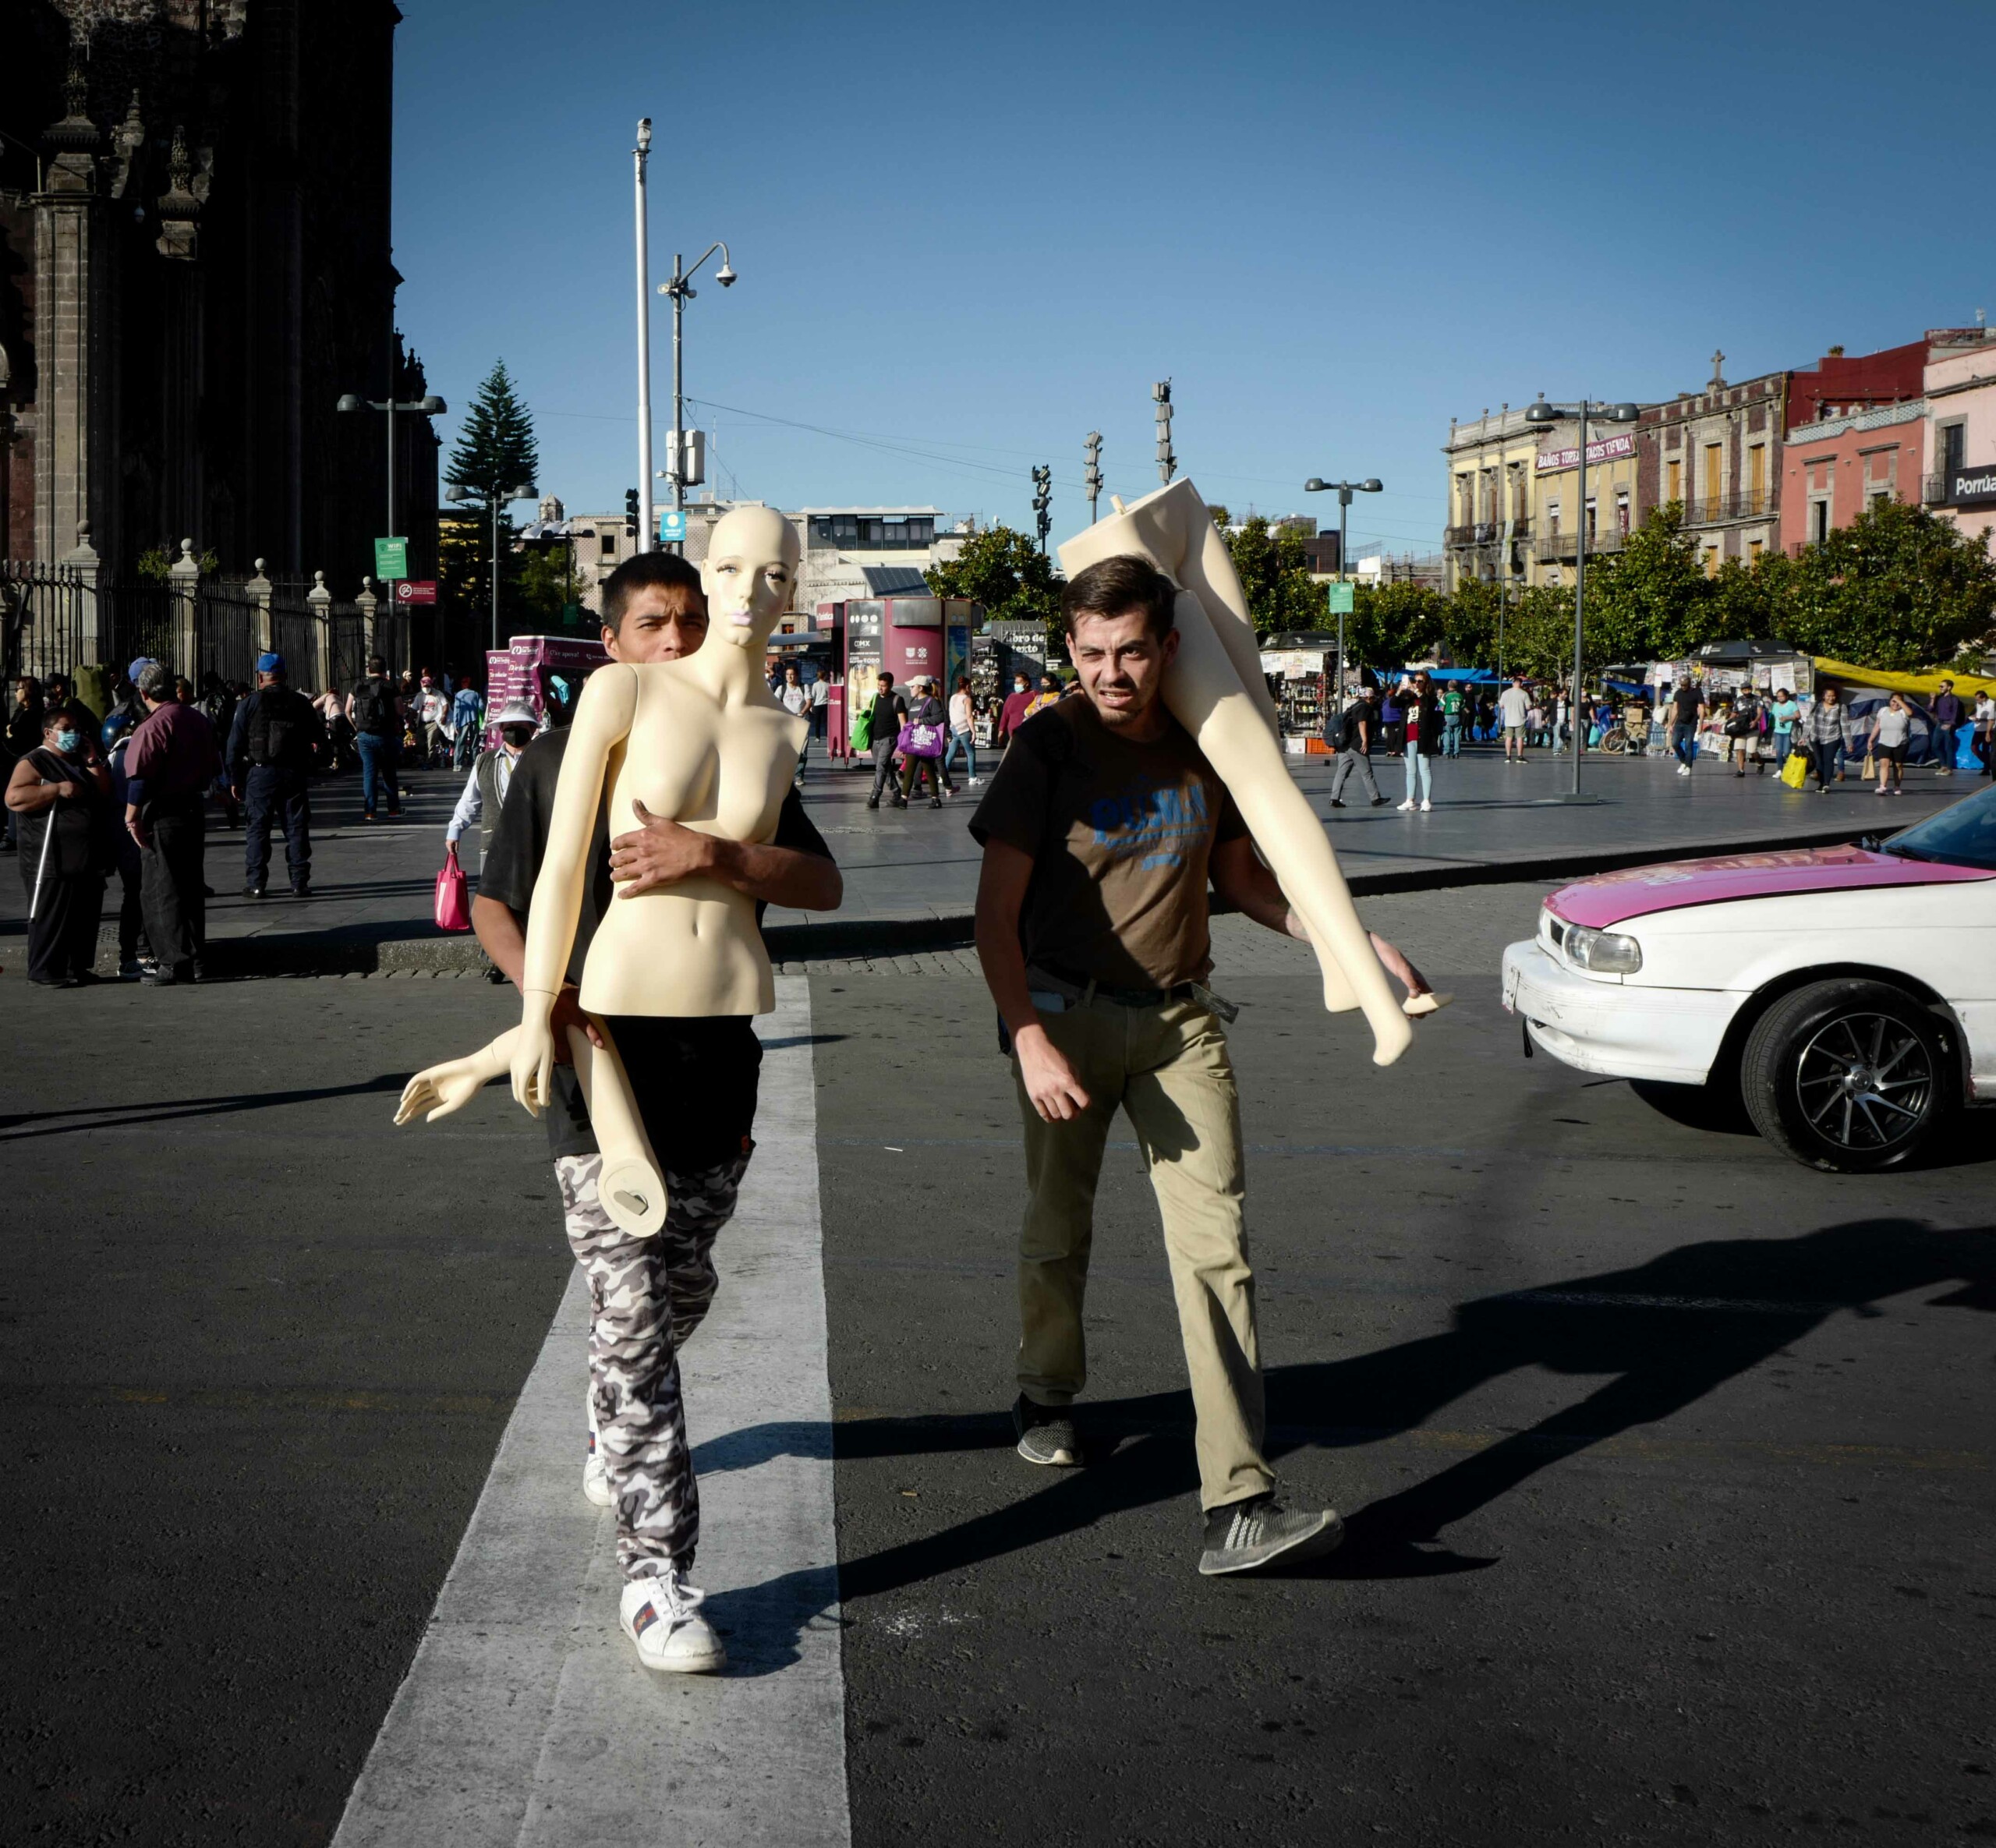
{"x": 1630, "y": 687}
{"x": 1475, "y": 674}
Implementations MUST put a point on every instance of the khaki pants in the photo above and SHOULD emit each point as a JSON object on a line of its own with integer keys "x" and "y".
{"x": 1168, "y": 1067}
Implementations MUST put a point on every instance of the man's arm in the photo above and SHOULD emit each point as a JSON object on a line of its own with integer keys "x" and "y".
{"x": 1245, "y": 882}
{"x": 1049, "y": 1080}
{"x": 471, "y": 805}
{"x": 239, "y": 745}
{"x": 1365, "y": 734}
{"x": 662, "y": 852}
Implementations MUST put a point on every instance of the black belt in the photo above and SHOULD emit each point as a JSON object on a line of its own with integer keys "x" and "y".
{"x": 1070, "y": 989}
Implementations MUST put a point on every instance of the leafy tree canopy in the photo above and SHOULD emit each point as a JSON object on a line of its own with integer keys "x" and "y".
{"x": 496, "y": 447}
{"x": 1006, "y": 571}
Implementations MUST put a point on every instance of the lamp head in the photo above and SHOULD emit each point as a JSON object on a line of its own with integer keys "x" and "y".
{"x": 1314, "y": 485}
{"x": 522, "y": 494}
{"x": 1372, "y": 485}
{"x": 1540, "y": 412}
{"x": 644, "y": 135}
{"x": 348, "y": 402}
{"x": 1625, "y": 413}
{"x": 433, "y": 406}
{"x": 459, "y": 494}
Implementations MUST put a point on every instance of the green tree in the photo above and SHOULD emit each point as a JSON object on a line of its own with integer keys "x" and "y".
{"x": 545, "y": 587}
{"x": 1391, "y": 625}
{"x": 1651, "y": 600}
{"x": 495, "y": 449}
{"x": 1539, "y": 632}
{"x": 1897, "y": 589}
{"x": 1007, "y": 572}
{"x": 1274, "y": 570}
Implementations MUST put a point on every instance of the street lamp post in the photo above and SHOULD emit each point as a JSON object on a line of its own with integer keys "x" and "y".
{"x": 679, "y": 288}
{"x": 639, "y": 155}
{"x": 1542, "y": 412}
{"x": 431, "y": 406}
{"x": 495, "y": 497}
{"x": 1317, "y": 485}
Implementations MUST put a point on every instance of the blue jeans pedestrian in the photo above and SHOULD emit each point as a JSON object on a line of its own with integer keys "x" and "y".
{"x": 284, "y": 797}
{"x": 1451, "y": 737}
{"x": 1420, "y": 776}
{"x": 379, "y": 756}
{"x": 1684, "y": 744}
{"x": 965, "y": 741}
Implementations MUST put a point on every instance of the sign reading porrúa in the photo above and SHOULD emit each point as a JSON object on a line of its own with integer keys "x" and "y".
{"x": 1606, "y": 450}
{"x": 1972, "y": 487}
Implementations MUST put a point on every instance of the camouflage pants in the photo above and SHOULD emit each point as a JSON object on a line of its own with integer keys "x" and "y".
{"x": 646, "y": 1297}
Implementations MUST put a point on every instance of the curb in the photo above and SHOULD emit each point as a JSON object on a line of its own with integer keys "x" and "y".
{"x": 437, "y": 955}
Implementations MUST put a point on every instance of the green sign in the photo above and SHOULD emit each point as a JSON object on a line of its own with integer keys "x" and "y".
{"x": 390, "y": 558}
{"x": 1340, "y": 599}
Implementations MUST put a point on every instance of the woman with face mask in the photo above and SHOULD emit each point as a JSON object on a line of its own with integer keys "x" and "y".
{"x": 60, "y": 793}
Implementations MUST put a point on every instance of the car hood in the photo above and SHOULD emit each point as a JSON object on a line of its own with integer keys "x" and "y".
{"x": 1612, "y": 898}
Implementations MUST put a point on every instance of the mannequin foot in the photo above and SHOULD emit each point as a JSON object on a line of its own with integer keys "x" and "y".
{"x": 632, "y": 1192}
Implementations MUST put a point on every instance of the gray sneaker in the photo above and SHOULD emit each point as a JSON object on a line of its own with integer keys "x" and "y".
{"x": 1246, "y": 1536}
{"x": 1046, "y": 1436}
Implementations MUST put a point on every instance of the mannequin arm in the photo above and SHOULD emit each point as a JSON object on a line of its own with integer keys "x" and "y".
{"x": 602, "y": 720}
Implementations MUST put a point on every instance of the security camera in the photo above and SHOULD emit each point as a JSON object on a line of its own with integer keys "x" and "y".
{"x": 725, "y": 276}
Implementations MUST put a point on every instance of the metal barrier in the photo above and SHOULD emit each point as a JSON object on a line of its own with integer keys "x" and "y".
{"x": 43, "y": 619}
{"x": 225, "y": 630}
{"x": 141, "y": 619}
{"x": 349, "y": 646}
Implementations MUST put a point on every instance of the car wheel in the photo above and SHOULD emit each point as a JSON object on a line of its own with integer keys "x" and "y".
{"x": 1850, "y": 1076}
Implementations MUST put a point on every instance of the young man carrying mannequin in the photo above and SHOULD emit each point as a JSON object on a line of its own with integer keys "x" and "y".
{"x": 646, "y": 1295}
{"x": 1099, "y": 830}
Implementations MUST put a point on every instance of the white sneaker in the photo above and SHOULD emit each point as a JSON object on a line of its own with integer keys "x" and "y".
{"x": 1683, "y": 770}
{"x": 596, "y": 1472}
{"x": 1425, "y": 804}
{"x": 1408, "y": 803}
{"x": 661, "y": 1614}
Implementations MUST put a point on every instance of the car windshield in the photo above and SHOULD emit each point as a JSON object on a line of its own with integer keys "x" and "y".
{"x": 1962, "y": 835}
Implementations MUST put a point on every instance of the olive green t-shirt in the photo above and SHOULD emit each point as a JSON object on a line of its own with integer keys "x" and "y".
{"x": 1120, "y": 835}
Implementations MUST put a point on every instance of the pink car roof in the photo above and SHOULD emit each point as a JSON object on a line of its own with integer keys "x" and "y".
{"x": 1611, "y": 898}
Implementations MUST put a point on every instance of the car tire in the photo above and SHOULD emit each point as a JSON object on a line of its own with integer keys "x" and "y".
{"x": 1716, "y": 1105}
{"x": 1850, "y": 1076}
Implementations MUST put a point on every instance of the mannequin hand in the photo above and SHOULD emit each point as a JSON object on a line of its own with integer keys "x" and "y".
{"x": 439, "y": 1090}
{"x": 1049, "y": 1080}
{"x": 569, "y": 1013}
{"x": 657, "y": 854}
{"x": 533, "y": 1059}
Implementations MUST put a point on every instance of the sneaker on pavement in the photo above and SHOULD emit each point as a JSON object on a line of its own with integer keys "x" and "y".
{"x": 1407, "y": 804}
{"x": 661, "y": 1614}
{"x": 1246, "y": 1536}
{"x": 1379, "y": 802}
{"x": 1046, "y": 1434}
{"x": 1425, "y": 804}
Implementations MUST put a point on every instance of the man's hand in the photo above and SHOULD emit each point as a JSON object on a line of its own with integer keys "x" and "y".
{"x": 67, "y": 792}
{"x": 235, "y": 794}
{"x": 658, "y": 854}
{"x": 569, "y": 1013}
{"x": 1049, "y": 1080}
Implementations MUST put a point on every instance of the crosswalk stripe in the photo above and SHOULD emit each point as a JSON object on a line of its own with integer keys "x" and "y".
{"x": 525, "y": 1719}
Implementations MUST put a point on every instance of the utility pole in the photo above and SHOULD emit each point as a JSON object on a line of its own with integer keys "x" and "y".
{"x": 1167, "y": 463}
{"x": 647, "y": 526}
{"x": 1042, "y": 499}
{"x": 1092, "y": 471}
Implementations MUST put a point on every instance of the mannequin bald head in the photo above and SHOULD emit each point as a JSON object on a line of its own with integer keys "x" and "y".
{"x": 748, "y": 575}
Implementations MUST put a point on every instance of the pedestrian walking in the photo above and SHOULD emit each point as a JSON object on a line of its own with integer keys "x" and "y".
{"x": 695, "y": 1082}
{"x": 1891, "y": 731}
{"x": 1099, "y": 831}
{"x": 374, "y": 710}
{"x": 1687, "y": 708}
{"x": 1514, "y": 710}
{"x": 889, "y": 714}
{"x": 467, "y": 724}
{"x": 1012, "y": 714}
{"x": 795, "y": 698}
{"x": 1743, "y": 729}
{"x": 821, "y": 705}
{"x": 484, "y": 793}
{"x": 135, "y": 957}
{"x": 1783, "y": 716}
{"x": 1948, "y": 713}
{"x": 1356, "y": 728}
{"x": 173, "y": 759}
{"x": 278, "y": 739}
{"x": 1392, "y": 720}
{"x": 1823, "y": 731}
{"x": 1453, "y": 703}
{"x": 963, "y": 732}
{"x": 926, "y": 737}
{"x": 1424, "y": 726}
{"x": 60, "y": 793}
{"x": 1985, "y": 732}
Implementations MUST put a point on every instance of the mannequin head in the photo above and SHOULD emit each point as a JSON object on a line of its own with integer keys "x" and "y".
{"x": 750, "y": 569}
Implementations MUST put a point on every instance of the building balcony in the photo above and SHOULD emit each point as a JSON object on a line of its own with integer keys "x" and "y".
{"x": 1552, "y": 546}
{"x": 1484, "y": 533}
{"x": 1934, "y": 490}
{"x": 1742, "y": 503}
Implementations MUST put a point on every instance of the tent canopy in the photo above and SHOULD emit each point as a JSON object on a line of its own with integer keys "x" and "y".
{"x": 1920, "y": 685}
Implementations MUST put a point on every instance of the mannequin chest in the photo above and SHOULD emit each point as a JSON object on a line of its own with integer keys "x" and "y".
{"x": 724, "y": 772}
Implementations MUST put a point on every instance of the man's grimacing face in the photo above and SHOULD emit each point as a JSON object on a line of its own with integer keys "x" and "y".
{"x": 662, "y": 622}
{"x": 1121, "y": 663}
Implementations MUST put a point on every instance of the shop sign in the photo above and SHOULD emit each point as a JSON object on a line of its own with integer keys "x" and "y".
{"x": 1607, "y": 449}
{"x": 1972, "y": 487}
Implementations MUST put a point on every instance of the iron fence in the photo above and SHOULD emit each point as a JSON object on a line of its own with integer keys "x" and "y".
{"x": 225, "y": 630}
{"x": 348, "y": 640}
{"x": 141, "y": 619}
{"x": 43, "y": 613}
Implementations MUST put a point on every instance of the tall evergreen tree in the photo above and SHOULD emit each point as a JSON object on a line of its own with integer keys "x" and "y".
{"x": 496, "y": 447}
{"x": 495, "y": 450}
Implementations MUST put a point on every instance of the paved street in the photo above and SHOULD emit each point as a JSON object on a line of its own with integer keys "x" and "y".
{"x": 1667, "y": 1461}
{"x": 373, "y": 884}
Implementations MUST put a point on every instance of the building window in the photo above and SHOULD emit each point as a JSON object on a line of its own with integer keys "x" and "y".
{"x": 1621, "y": 512}
{"x": 1714, "y": 463}
{"x": 1591, "y": 530}
{"x": 1466, "y": 499}
{"x": 1757, "y": 474}
{"x": 606, "y": 542}
{"x": 1673, "y": 473}
{"x": 1819, "y": 521}
{"x": 1711, "y": 560}
{"x": 1552, "y": 519}
{"x": 1754, "y": 548}
{"x": 1952, "y": 439}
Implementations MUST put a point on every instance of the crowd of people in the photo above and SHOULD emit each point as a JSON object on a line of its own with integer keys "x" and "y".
{"x": 131, "y": 794}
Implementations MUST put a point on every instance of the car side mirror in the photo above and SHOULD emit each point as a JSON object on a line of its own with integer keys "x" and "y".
{"x": 1871, "y": 843}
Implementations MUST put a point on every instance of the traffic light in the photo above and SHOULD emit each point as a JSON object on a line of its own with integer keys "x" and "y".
{"x": 630, "y": 513}
{"x": 1042, "y": 498}
{"x": 1092, "y": 470}
{"x": 1167, "y": 463}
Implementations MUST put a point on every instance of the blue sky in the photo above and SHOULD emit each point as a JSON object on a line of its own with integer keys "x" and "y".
{"x": 967, "y": 237}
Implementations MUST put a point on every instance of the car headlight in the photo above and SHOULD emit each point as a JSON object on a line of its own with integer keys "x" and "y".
{"x": 1602, "y": 952}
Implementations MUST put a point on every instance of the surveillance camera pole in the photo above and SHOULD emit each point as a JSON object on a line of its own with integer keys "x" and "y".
{"x": 639, "y": 156}
{"x": 680, "y": 288}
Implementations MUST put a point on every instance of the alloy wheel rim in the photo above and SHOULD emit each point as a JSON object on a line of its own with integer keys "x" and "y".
{"x": 1864, "y": 1081}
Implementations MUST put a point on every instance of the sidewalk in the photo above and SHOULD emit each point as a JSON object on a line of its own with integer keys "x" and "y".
{"x": 910, "y": 874}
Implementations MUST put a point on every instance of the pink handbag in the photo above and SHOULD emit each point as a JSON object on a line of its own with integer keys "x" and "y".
{"x": 453, "y": 898}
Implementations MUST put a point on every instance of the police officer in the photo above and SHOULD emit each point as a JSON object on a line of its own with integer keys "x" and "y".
{"x": 277, "y": 738}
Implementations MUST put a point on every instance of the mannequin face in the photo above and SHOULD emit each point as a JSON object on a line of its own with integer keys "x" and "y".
{"x": 750, "y": 570}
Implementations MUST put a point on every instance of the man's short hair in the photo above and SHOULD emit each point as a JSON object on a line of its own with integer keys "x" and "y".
{"x": 376, "y": 664}
{"x": 1117, "y": 585}
{"x": 156, "y": 682}
{"x": 646, "y": 569}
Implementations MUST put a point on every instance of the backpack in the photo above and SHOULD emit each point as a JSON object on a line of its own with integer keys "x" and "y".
{"x": 374, "y": 707}
{"x": 280, "y": 731}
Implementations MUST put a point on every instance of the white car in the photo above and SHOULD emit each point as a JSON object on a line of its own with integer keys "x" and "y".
{"x": 1845, "y": 995}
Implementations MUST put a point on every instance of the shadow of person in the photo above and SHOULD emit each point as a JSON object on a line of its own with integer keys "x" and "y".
{"x": 1665, "y": 1333}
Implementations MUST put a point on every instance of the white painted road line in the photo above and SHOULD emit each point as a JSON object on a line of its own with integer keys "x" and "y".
{"x": 525, "y": 1718}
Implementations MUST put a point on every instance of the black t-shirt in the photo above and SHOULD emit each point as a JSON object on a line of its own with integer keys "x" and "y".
{"x": 1684, "y": 705}
{"x": 511, "y": 865}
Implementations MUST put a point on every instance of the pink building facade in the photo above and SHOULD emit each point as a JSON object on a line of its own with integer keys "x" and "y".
{"x": 1832, "y": 470}
{"x": 1960, "y": 465}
